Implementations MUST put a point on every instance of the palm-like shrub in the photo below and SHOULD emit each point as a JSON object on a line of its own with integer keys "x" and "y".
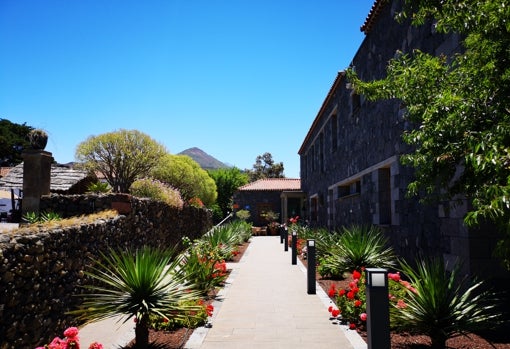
{"x": 223, "y": 238}
{"x": 364, "y": 246}
{"x": 442, "y": 304}
{"x": 138, "y": 284}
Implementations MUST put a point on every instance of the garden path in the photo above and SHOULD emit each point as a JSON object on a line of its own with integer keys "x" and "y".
{"x": 264, "y": 305}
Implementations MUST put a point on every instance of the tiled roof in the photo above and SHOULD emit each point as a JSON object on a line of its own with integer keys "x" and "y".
{"x": 372, "y": 15}
{"x": 62, "y": 178}
{"x": 4, "y": 171}
{"x": 273, "y": 184}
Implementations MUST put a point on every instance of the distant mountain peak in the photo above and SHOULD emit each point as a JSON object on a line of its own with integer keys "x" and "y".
{"x": 206, "y": 161}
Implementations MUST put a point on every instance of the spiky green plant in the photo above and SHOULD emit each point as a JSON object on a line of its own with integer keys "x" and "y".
{"x": 137, "y": 284}
{"x": 225, "y": 239}
{"x": 364, "y": 246}
{"x": 442, "y": 303}
{"x": 99, "y": 187}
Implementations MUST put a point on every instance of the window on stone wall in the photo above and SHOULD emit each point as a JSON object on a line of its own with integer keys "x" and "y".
{"x": 331, "y": 207}
{"x": 355, "y": 103}
{"x": 384, "y": 185}
{"x": 321, "y": 152}
{"x": 334, "y": 133}
{"x": 314, "y": 205}
{"x": 349, "y": 189}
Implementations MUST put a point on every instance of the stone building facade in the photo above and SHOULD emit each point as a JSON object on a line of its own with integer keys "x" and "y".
{"x": 350, "y": 168}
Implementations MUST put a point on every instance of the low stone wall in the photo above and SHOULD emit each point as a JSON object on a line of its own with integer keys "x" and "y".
{"x": 43, "y": 270}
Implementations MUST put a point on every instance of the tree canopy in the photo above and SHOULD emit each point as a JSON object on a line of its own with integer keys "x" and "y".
{"x": 13, "y": 139}
{"x": 266, "y": 167}
{"x": 460, "y": 105}
{"x": 186, "y": 175}
{"x": 227, "y": 180}
{"x": 120, "y": 156}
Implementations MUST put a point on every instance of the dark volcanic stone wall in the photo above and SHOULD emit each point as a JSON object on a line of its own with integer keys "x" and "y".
{"x": 42, "y": 270}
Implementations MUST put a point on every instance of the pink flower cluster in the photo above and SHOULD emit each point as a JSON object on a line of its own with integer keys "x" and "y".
{"x": 71, "y": 341}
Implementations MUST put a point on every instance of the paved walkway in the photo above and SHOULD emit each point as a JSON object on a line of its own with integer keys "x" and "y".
{"x": 264, "y": 305}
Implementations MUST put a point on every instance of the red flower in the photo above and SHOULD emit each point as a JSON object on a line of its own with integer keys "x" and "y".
{"x": 341, "y": 292}
{"x": 352, "y": 326}
{"x": 401, "y": 304}
{"x": 71, "y": 332}
{"x": 335, "y": 312}
{"x": 209, "y": 309}
{"x": 356, "y": 275}
{"x": 357, "y": 303}
{"x": 350, "y": 295}
{"x": 332, "y": 290}
{"x": 363, "y": 316}
{"x": 394, "y": 276}
{"x": 330, "y": 309}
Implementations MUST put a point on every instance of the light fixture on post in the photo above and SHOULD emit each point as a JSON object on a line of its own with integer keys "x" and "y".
{"x": 378, "y": 308}
{"x": 311, "y": 268}
{"x": 294, "y": 247}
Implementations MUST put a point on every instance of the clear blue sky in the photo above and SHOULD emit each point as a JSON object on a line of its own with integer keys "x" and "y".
{"x": 236, "y": 78}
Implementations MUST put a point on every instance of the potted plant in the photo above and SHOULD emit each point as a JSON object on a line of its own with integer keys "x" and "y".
{"x": 271, "y": 217}
{"x": 38, "y": 139}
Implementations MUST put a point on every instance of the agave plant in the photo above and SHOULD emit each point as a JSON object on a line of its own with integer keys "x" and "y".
{"x": 138, "y": 284}
{"x": 442, "y": 304}
{"x": 364, "y": 246}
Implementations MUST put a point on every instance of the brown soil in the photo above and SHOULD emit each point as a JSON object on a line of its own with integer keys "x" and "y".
{"x": 176, "y": 339}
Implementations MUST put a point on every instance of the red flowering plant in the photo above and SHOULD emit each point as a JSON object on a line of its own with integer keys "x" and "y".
{"x": 397, "y": 290}
{"x": 196, "y": 202}
{"x": 70, "y": 341}
{"x": 351, "y": 301}
{"x": 186, "y": 319}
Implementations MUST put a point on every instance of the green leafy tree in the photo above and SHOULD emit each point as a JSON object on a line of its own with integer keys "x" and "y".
{"x": 227, "y": 180}
{"x": 121, "y": 156}
{"x": 13, "y": 139}
{"x": 266, "y": 167}
{"x": 460, "y": 106}
{"x": 186, "y": 175}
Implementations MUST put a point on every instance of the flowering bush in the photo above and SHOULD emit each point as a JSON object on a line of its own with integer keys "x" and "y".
{"x": 351, "y": 301}
{"x": 188, "y": 319}
{"x": 196, "y": 202}
{"x": 70, "y": 341}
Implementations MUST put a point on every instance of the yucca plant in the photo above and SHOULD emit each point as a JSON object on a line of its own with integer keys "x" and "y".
{"x": 99, "y": 187}
{"x": 137, "y": 284}
{"x": 225, "y": 239}
{"x": 364, "y": 246}
{"x": 31, "y": 217}
{"x": 443, "y": 304}
{"x": 50, "y": 217}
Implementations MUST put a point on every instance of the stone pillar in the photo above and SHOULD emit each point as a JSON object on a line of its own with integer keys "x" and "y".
{"x": 36, "y": 178}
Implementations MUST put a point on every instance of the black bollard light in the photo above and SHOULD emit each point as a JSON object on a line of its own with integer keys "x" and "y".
{"x": 282, "y": 231}
{"x": 294, "y": 247}
{"x": 310, "y": 257}
{"x": 378, "y": 308}
{"x": 286, "y": 240}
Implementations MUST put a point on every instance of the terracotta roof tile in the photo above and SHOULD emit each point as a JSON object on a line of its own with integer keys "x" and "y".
{"x": 273, "y": 184}
{"x": 372, "y": 15}
{"x": 4, "y": 171}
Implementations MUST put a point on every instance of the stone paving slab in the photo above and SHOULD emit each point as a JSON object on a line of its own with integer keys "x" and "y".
{"x": 267, "y": 306}
{"x": 264, "y": 305}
